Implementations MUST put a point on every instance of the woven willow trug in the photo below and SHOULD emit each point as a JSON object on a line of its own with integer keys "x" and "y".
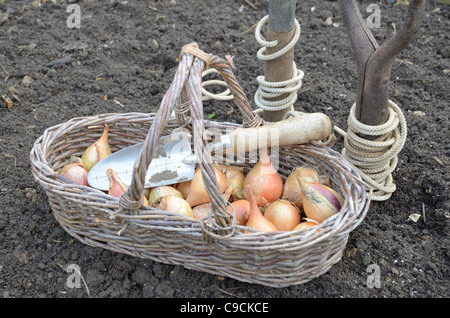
{"x": 277, "y": 259}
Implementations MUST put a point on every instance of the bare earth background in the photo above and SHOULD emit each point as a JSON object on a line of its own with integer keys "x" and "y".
{"x": 127, "y": 50}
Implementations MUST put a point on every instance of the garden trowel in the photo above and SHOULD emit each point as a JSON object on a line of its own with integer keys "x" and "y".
{"x": 174, "y": 162}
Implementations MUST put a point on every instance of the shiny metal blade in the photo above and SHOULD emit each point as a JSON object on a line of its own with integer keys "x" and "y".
{"x": 167, "y": 166}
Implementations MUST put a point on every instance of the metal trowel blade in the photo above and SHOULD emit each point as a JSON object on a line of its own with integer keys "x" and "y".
{"x": 168, "y": 165}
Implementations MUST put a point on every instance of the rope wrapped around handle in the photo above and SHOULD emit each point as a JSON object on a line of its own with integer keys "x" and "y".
{"x": 188, "y": 77}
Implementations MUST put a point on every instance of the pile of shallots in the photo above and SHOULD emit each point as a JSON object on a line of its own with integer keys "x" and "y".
{"x": 258, "y": 199}
{"x": 78, "y": 168}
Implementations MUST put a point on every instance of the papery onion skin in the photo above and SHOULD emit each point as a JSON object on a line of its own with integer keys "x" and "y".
{"x": 116, "y": 185}
{"x": 157, "y": 193}
{"x": 184, "y": 187}
{"x": 201, "y": 211}
{"x": 332, "y": 196}
{"x": 292, "y": 190}
{"x": 198, "y": 194}
{"x": 176, "y": 205}
{"x": 75, "y": 172}
{"x": 241, "y": 211}
{"x": 304, "y": 225}
{"x": 235, "y": 180}
{"x": 256, "y": 220}
{"x": 264, "y": 181}
{"x": 97, "y": 151}
{"x": 146, "y": 192}
{"x": 283, "y": 214}
{"x": 319, "y": 201}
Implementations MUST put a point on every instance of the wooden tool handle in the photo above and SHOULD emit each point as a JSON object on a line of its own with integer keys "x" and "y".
{"x": 291, "y": 131}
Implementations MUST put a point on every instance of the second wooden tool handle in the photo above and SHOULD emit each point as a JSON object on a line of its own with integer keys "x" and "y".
{"x": 292, "y": 131}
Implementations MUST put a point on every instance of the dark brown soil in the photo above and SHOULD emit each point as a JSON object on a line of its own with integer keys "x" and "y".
{"x": 127, "y": 51}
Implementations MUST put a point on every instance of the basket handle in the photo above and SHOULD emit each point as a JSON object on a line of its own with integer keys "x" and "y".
{"x": 250, "y": 118}
{"x": 189, "y": 75}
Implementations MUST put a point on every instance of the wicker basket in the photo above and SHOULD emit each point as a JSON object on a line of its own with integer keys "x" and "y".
{"x": 215, "y": 244}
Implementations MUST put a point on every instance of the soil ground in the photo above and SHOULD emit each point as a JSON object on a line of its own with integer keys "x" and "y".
{"x": 127, "y": 51}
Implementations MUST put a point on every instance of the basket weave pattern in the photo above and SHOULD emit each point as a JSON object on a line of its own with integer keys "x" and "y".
{"x": 213, "y": 245}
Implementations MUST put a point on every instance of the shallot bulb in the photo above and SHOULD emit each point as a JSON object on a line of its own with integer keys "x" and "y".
{"x": 146, "y": 192}
{"x": 201, "y": 211}
{"x": 305, "y": 224}
{"x": 319, "y": 201}
{"x": 264, "y": 180}
{"x": 156, "y": 194}
{"x": 198, "y": 194}
{"x": 97, "y": 151}
{"x": 235, "y": 180}
{"x": 176, "y": 205}
{"x": 256, "y": 220}
{"x": 184, "y": 187}
{"x": 75, "y": 172}
{"x": 117, "y": 187}
{"x": 241, "y": 211}
{"x": 292, "y": 190}
{"x": 283, "y": 214}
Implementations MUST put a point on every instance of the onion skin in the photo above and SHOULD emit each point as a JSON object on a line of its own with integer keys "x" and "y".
{"x": 156, "y": 194}
{"x": 146, "y": 192}
{"x": 117, "y": 187}
{"x": 201, "y": 211}
{"x": 332, "y": 196}
{"x": 235, "y": 180}
{"x": 319, "y": 201}
{"x": 241, "y": 211}
{"x": 184, "y": 188}
{"x": 198, "y": 194}
{"x": 97, "y": 151}
{"x": 292, "y": 190}
{"x": 264, "y": 181}
{"x": 283, "y": 214}
{"x": 256, "y": 220}
{"x": 75, "y": 172}
{"x": 176, "y": 205}
{"x": 304, "y": 225}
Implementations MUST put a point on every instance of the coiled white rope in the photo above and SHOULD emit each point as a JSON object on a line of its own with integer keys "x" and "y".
{"x": 376, "y": 159}
{"x": 267, "y": 90}
{"x": 207, "y": 95}
{"x": 271, "y": 90}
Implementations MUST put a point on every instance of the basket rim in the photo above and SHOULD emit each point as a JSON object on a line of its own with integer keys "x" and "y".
{"x": 340, "y": 223}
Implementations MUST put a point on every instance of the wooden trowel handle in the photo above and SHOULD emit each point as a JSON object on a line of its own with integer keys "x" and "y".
{"x": 292, "y": 131}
